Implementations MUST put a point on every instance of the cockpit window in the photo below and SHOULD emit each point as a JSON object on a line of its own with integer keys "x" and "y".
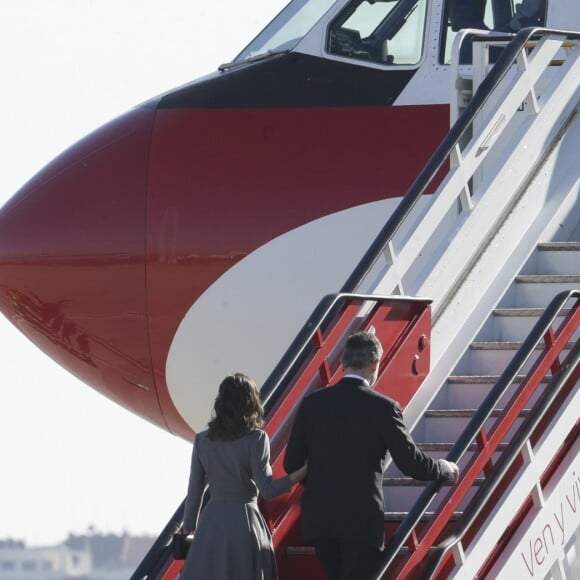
{"x": 383, "y": 31}
{"x": 499, "y": 15}
{"x": 287, "y": 29}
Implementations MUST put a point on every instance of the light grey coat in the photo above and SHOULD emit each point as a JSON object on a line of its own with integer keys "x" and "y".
{"x": 232, "y": 540}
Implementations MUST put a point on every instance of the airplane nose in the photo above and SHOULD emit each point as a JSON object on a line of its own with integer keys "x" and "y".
{"x": 72, "y": 261}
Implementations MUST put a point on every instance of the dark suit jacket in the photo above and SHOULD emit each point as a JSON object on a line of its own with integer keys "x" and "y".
{"x": 345, "y": 432}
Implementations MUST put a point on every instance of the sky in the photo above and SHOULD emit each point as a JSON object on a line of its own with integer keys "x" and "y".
{"x": 70, "y": 458}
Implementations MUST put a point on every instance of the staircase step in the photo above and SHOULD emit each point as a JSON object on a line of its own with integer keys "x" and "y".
{"x": 506, "y": 345}
{"x": 489, "y": 357}
{"x": 513, "y": 324}
{"x": 468, "y": 391}
{"x": 558, "y": 258}
{"x": 401, "y": 493}
{"x": 448, "y": 424}
{"x": 434, "y": 447}
{"x": 451, "y": 413}
{"x": 525, "y": 312}
{"x": 537, "y": 290}
{"x": 427, "y": 516}
{"x": 559, "y": 246}
{"x": 410, "y": 482}
{"x": 483, "y": 379}
{"x": 548, "y": 278}
{"x": 310, "y": 551}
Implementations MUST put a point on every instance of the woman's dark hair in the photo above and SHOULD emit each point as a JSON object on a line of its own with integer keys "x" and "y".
{"x": 237, "y": 408}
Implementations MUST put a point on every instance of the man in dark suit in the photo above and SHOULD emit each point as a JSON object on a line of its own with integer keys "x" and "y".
{"x": 345, "y": 432}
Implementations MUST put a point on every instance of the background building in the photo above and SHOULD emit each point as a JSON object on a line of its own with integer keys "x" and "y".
{"x": 93, "y": 556}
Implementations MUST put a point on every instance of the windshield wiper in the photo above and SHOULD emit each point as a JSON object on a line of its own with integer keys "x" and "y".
{"x": 251, "y": 59}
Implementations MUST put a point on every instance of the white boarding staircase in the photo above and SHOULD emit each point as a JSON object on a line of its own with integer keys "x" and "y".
{"x": 496, "y": 242}
{"x": 553, "y": 268}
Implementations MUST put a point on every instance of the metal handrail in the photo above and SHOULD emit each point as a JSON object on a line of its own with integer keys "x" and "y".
{"x": 476, "y": 424}
{"x": 504, "y": 463}
{"x": 154, "y": 560}
{"x": 321, "y": 317}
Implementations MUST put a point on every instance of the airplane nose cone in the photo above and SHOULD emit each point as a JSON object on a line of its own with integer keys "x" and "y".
{"x": 72, "y": 261}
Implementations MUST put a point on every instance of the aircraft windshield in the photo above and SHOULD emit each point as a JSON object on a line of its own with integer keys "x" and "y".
{"x": 382, "y": 31}
{"x": 287, "y": 29}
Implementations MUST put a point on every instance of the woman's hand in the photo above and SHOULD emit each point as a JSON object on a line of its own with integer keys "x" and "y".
{"x": 299, "y": 474}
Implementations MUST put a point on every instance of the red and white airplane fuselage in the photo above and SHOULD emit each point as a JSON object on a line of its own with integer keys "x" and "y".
{"x": 191, "y": 237}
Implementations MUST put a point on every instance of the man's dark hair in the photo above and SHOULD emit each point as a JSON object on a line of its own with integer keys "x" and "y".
{"x": 361, "y": 351}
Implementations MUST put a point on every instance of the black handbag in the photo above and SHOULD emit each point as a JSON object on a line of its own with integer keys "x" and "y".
{"x": 180, "y": 545}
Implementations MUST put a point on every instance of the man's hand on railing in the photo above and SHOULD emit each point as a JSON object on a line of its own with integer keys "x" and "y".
{"x": 451, "y": 470}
